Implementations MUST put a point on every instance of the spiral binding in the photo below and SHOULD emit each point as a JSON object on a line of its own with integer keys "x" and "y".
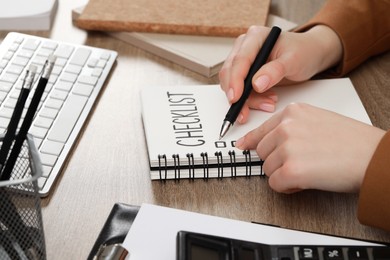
{"x": 163, "y": 165}
{"x": 219, "y": 164}
{"x": 191, "y": 166}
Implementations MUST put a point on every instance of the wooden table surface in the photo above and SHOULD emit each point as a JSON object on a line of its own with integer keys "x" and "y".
{"x": 109, "y": 163}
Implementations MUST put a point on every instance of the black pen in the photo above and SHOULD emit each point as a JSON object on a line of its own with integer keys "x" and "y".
{"x": 16, "y": 114}
{"x": 259, "y": 61}
{"x": 47, "y": 68}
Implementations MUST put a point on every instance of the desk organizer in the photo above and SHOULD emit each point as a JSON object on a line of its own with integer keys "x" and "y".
{"x": 21, "y": 228}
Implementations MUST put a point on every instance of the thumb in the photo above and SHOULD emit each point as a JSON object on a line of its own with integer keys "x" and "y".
{"x": 269, "y": 75}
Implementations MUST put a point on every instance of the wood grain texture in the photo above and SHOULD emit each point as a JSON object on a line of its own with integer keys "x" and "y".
{"x": 109, "y": 163}
{"x": 201, "y": 17}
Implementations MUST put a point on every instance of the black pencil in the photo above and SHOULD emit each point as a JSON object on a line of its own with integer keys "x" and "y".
{"x": 17, "y": 113}
{"x": 10, "y": 163}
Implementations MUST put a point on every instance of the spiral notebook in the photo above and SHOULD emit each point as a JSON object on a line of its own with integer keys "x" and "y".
{"x": 182, "y": 124}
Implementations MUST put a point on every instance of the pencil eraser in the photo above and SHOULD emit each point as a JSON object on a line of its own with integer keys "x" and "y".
{"x": 52, "y": 58}
{"x": 32, "y": 68}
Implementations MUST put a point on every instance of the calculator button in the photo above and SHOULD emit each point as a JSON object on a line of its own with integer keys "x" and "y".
{"x": 381, "y": 253}
{"x": 308, "y": 253}
{"x": 333, "y": 253}
{"x": 286, "y": 253}
{"x": 357, "y": 254}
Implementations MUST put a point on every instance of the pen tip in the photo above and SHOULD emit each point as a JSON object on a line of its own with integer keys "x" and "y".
{"x": 224, "y": 129}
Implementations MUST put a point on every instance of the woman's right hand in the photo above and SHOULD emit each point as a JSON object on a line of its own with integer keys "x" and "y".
{"x": 295, "y": 57}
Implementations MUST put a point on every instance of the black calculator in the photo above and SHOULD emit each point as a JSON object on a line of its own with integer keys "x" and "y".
{"x": 195, "y": 246}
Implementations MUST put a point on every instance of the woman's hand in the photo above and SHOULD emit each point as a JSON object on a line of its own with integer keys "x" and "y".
{"x": 305, "y": 147}
{"x": 295, "y": 57}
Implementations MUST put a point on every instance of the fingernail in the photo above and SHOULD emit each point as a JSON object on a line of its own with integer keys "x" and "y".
{"x": 230, "y": 94}
{"x": 261, "y": 83}
{"x": 267, "y": 107}
{"x": 240, "y": 118}
{"x": 240, "y": 142}
{"x": 274, "y": 97}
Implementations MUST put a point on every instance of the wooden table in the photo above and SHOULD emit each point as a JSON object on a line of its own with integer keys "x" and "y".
{"x": 102, "y": 171}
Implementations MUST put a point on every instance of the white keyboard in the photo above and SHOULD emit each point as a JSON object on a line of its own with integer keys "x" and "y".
{"x": 74, "y": 84}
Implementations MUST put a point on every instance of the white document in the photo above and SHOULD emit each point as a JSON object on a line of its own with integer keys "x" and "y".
{"x": 153, "y": 233}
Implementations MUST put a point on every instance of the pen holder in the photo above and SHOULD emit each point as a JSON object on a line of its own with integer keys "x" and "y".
{"x": 21, "y": 228}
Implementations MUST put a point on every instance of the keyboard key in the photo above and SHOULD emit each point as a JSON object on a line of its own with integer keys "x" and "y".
{"x": 101, "y": 64}
{"x": 39, "y": 60}
{"x": 92, "y": 62}
{"x": 97, "y": 72}
{"x": 105, "y": 56}
{"x": 48, "y": 159}
{"x": 49, "y": 112}
{"x": 80, "y": 57}
{"x": 51, "y": 147}
{"x": 15, "y": 69}
{"x": 82, "y": 89}
{"x": 45, "y": 52}
{"x": 68, "y": 77}
{"x": 6, "y": 112}
{"x": 11, "y": 102}
{"x": 2, "y": 96}
{"x": 8, "y": 55}
{"x": 74, "y": 69}
{"x": 31, "y": 44}
{"x": 61, "y": 61}
{"x": 5, "y": 86}
{"x": 87, "y": 80}
{"x": 3, "y": 63}
{"x": 59, "y": 94}
{"x": 9, "y": 77}
{"x": 56, "y": 70}
{"x": 49, "y": 45}
{"x": 21, "y": 61}
{"x": 64, "y": 85}
{"x": 38, "y": 132}
{"x": 46, "y": 170}
{"x": 54, "y": 103}
{"x": 25, "y": 53}
{"x": 63, "y": 126}
{"x": 43, "y": 122}
{"x": 64, "y": 51}
{"x": 41, "y": 182}
{"x": 4, "y": 121}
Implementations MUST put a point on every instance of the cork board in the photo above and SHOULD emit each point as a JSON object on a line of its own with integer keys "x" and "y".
{"x": 198, "y": 17}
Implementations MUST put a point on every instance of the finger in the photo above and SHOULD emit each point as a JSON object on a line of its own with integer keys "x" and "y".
{"x": 225, "y": 72}
{"x": 244, "y": 114}
{"x": 244, "y": 58}
{"x": 269, "y": 75}
{"x": 273, "y": 160}
{"x": 252, "y": 138}
{"x": 279, "y": 182}
{"x": 263, "y": 101}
